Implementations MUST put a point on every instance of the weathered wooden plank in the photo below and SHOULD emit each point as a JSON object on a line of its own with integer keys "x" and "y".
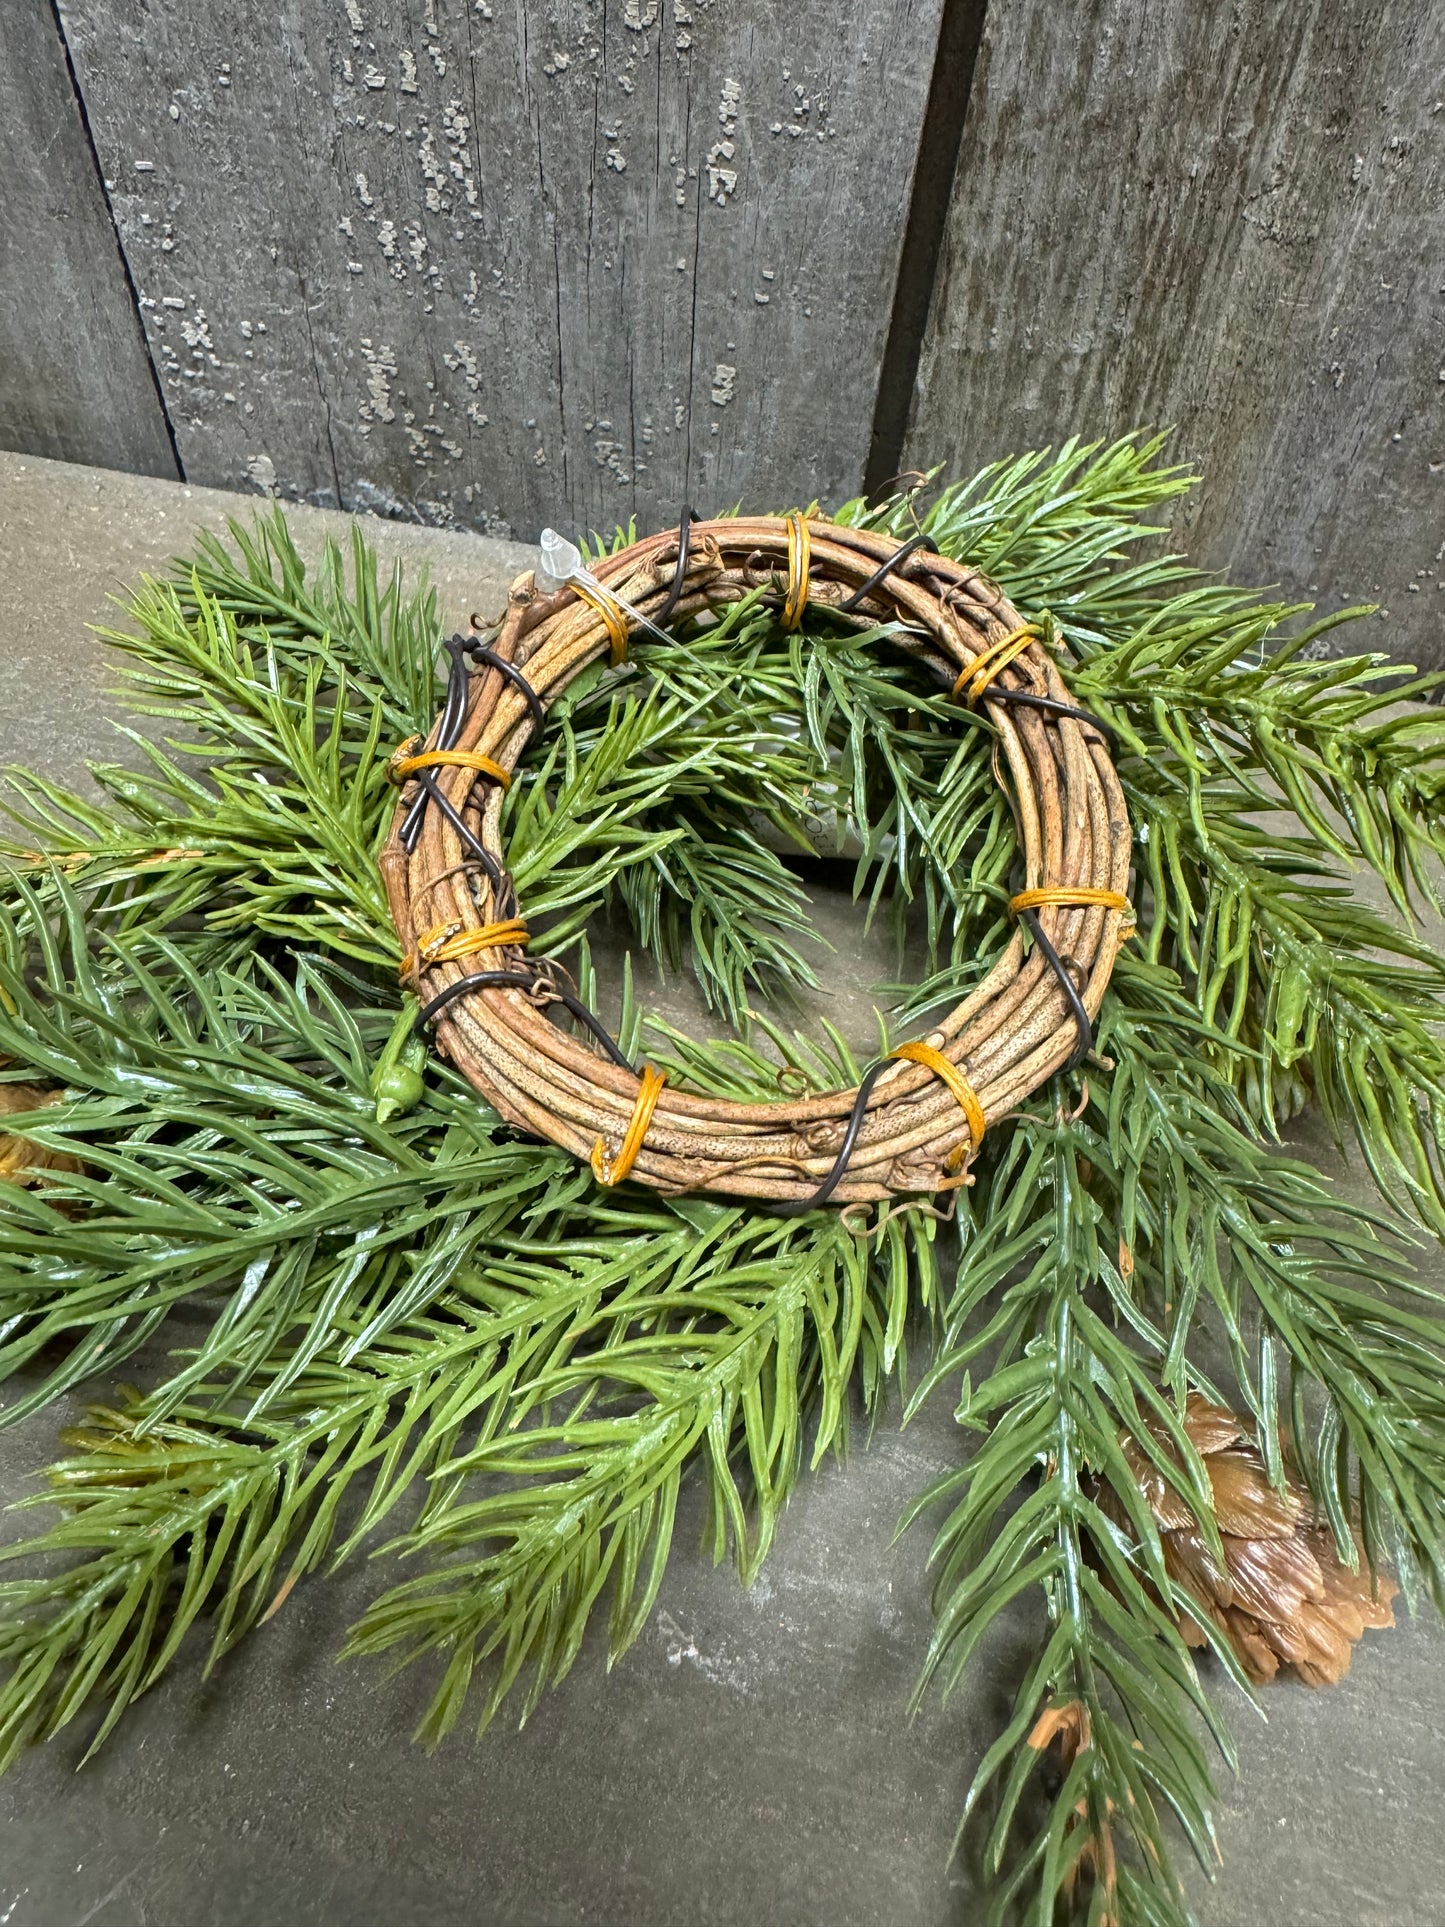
{"x": 499, "y": 263}
{"x": 74, "y": 378}
{"x": 1231, "y": 219}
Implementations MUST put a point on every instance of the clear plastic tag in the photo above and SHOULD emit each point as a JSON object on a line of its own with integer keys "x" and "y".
{"x": 562, "y": 563}
{"x": 561, "y": 560}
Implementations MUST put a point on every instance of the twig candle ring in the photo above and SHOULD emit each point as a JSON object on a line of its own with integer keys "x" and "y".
{"x": 899, "y": 1131}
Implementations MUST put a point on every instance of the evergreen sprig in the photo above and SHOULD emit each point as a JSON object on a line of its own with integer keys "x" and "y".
{"x": 405, "y": 1324}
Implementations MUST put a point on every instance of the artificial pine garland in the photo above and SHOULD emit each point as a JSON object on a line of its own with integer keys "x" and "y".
{"x": 422, "y": 1318}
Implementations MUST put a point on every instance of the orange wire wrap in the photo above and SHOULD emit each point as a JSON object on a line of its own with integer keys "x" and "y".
{"x": 610, "y": 613}
{"x": 438, "y": 946}
{"x": 402, "y": 766}
{"x": 615, "y": 1170}
{"x": 1071, "y": 896}
{"x": 800, "y": 549}
{"x": 948, "y": 1073}
{"x": 998, "y": 655}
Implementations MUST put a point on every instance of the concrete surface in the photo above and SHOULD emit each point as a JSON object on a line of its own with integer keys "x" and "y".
{"x": 73, "y": 538}
{"x": 750, "y": 1760}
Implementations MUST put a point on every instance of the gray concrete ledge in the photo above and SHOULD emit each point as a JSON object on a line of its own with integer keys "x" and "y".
{"x": 72, "y": 539}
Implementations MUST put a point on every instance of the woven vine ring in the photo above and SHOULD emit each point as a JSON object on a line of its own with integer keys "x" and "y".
{"x": 917, "y": 1119}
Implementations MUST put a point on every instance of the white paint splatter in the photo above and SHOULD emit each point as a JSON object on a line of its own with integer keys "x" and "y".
{"x": 724, "y": 383}
{"x": 433, "y": 173}
{"x": 380, "y": 369}
{"x": 721, "y": 181}
{"x": 611, "y": 456}
{"x": 197, "y": 331}
{"x": 465, "y": 358}
{"x": 456, "y": 125}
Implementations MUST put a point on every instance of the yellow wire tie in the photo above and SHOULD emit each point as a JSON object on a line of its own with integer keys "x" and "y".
{"x": 445, "y": 942}
{"x": 403, "y": 764}
{"x": 615, "y": 1170}
{"x": 948, "y": 1072}
{"x": 998, "y": 655}
{"x": 1071, "y": 896}
{"x": 800, "y": 549}
{"x": 610, "y": 610}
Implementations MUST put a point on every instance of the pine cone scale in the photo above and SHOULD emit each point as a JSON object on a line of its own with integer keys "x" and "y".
{"x": 1245, "y": 1503}
{"x": 1283, "y": 1597}
{"x": 22, "y": 1162}
{"x": 1272, "y": 1578}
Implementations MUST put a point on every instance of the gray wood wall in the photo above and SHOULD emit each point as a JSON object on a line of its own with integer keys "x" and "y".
{"x": 75, "y": 380}
{"x": 497, "y": 262}
{"x": 1231, "y": 219}
{"x": 506, "y": 263}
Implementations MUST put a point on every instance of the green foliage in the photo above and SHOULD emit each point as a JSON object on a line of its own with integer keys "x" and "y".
{"x": 405, "y": 1326}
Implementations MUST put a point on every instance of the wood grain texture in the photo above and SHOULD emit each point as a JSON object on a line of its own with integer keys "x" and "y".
{"x": 498, "y": 264}
{"x": 74, "y": 380}
{"x": 1231, "y": 219}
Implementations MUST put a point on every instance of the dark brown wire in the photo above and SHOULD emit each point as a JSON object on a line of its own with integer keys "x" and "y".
{"x": 484, "y": 652}
{"x": 881, "y": 574}
{"x": 679, "y": 574}
{"x": 1056, "y": 963}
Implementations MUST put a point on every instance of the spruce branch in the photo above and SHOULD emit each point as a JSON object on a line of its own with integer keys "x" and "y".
{"x": 280, "y": 832}
{"x": 722, "y": 1371}
{"x": 1059, "y": 1385}
{"x": 1209, "y": 1216}
{"x": 1078, "y": 1320}
{"x": 1284, "y": 959}
{"x": 721, "y": 1345}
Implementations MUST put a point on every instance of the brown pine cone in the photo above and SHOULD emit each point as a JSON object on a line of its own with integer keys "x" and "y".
{"x": 22, "y": 1162}
{"x": 1283, "y": 1596}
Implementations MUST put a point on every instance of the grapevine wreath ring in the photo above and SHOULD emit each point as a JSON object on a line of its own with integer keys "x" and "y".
{"x": 915, "y": 1121}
